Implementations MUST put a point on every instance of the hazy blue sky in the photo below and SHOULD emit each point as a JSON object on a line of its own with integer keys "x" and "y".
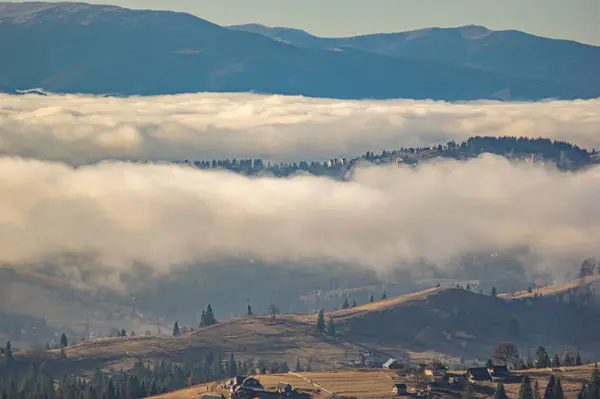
{"x": 566, "y": 19}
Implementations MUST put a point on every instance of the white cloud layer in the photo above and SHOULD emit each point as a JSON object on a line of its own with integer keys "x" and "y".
{"x": 84, "y": 129}
{"x": 164, "y": 215}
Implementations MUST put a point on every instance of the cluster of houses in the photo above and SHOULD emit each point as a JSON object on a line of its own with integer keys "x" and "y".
{"x": 435, "y": 376}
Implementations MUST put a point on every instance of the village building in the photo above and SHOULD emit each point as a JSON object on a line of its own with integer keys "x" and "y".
{"x": 499, "y": 373}
{"x": 399, "y": 389}
{"x": 393, "y": 364}
{"x": 478, "y": 374}
{"x": 283, "y": 388}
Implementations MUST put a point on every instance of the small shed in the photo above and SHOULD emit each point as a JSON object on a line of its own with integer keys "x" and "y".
{"x": 393, "y": 364}
{"x": 399, "y": 389}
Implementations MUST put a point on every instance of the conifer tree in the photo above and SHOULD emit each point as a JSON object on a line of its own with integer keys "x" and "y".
{"x": 567, "y": 359}
{"x": 63, "y": 340}
{"x": 489, "y": 364}
{"x": 593, "y": 389}
{"x": 556, "y": 362}
{"x": 542, "y": 359}
{"x": 8, "y": 353}
{"x": 500, "y": 392}
{"x": 578, "y": 361}
{"x": 202, "y": 319}
{"x": 298, "y": 367}
{"x": 558, "y": 390}
{"x": 371, "y": 299}
{"x": 232, "y": 366}
{"x": 345, "y": 304}
{"x": 176, "y": 332}
{"x": 331, "y": 327}
{"x": 249, "y": 312}
{"x": 283, "y": 367}
{"x": 209, "y": 316}
{"x": 321, "y": 321}
{"x": 384, "y": 296}
{"x": 549, "y": 392}
{"x": 123, "y": 333}
{"x": 494, "y": 293}
{"x": 353, "y": 303}
{"x": 525, "y": 392}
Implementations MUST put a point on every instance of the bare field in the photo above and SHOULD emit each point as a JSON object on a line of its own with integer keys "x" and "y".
{"x": 371, "y": 384}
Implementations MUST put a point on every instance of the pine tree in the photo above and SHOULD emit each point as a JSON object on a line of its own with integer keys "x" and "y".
{"x": 371, "y": 299}
{"x": 549, "y": 393}
{"x": 283, "y": 367}
{"x": 298, "y": 367}
{"x": 353, "y": 303}
{"x": 578, "y": 361}
{"x": 176, "y": 332}
{"x": 345, "y": 305}
{"x": 331, "y": 327}
{"x": 123, "y": 333}
{"x": 232, "y": 366}
{"x": 209, "y": 316}
{"x": 8, "y": 353}
{"x": 567, "y": 359}
{"x": 202, "y": 319}
{"x": 593, "y": 390}
{"x": 558, "y": 390}
{"x": 384, "y": 296}
{"x": 321, "y": 321}
{"x": 249, "y": 312}
{"x": 556, "y": 362}
{"x": 489, "y": 364}
{"x": 494, "y": 293}
{"x": 500, "y": 392}
{"x": 525, "y": 392}
{"x": 63, "y": 340}
{"x": 542, "y": 359}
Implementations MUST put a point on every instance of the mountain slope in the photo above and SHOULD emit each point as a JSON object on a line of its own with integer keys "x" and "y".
{"x": 76, "y": 47}
{"x": 509, "y": 52}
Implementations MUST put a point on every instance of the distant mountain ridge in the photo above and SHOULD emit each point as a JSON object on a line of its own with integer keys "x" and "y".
{"x": 95, "y": 49}
{"x": 510, "y": 52}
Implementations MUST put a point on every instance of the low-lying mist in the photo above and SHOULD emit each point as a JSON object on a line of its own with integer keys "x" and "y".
{"x": 166, "y": 216}
{"x": 81, "y": 130}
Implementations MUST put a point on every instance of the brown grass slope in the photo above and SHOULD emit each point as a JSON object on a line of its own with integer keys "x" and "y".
{"x": 448, "y": 323}
{"x": 371, "y": 384}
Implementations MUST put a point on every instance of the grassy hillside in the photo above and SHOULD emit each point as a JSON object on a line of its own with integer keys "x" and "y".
{"x": 370, "y": 384}
{"x": 445, "y": 323}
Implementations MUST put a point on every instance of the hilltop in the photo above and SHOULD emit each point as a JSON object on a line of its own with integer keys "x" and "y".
{"x": 82, "y": 48}
{"x": 510, "y": 52}
{"x": 445, "y": 323}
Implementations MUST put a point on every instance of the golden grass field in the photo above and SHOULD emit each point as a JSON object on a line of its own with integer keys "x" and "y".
{"x": 377, "y": 384}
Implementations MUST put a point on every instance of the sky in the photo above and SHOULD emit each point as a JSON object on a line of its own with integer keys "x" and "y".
{"x": 573, "y": 20}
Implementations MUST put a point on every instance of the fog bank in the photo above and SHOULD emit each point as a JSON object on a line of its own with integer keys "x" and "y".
{"x": 165, "y": 215}
{"x": 81, "y": 130}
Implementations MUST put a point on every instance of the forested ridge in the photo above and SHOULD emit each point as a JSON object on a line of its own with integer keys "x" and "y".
{"x": 565, "y": 156}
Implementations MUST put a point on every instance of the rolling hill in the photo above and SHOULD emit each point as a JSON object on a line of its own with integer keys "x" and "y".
{"x": 83, "y": 48}
{"x": 445, "y": 323}
{"x": 510, "y": 52}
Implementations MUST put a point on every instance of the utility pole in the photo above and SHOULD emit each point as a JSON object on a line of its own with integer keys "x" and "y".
{"x": 158, "y": 326}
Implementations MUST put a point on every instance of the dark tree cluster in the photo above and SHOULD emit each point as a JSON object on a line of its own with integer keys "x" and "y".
{"x": 207, "y": 318}
{"x": 143, "y": 380}
{"x": 565, "y": 155}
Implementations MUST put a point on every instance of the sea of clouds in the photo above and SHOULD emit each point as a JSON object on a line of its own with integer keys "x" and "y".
{"x": 84, "y": 129}
{"x": 64, "y": 187}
